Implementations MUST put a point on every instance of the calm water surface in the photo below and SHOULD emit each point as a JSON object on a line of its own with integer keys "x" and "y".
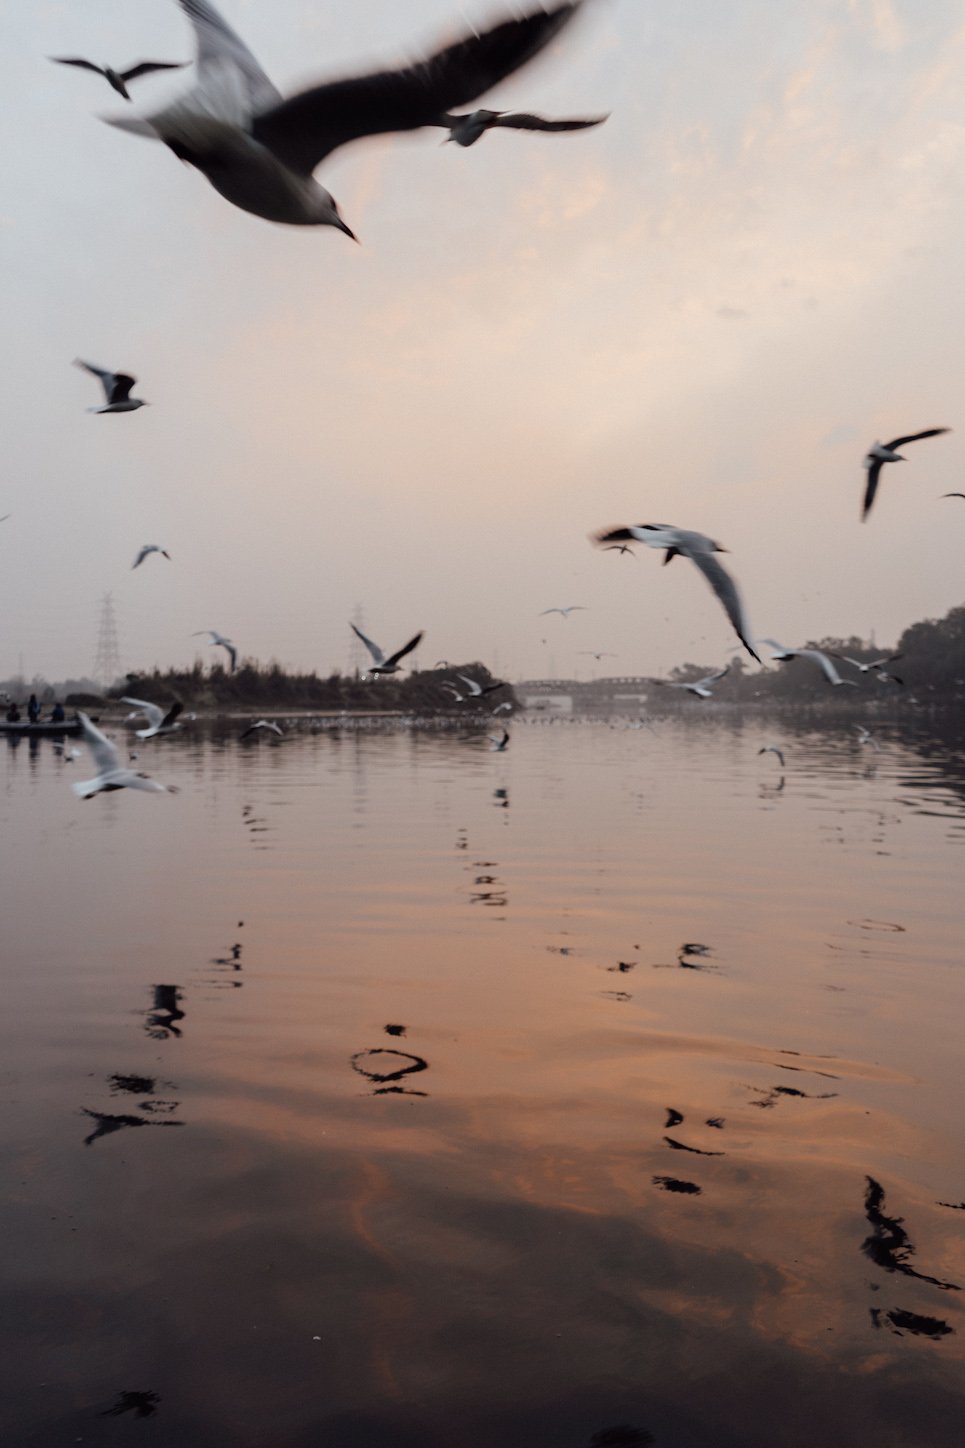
{"x": 380, "y": 1091}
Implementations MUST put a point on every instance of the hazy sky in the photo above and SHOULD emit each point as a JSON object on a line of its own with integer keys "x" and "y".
{"x": 701, "y": 313}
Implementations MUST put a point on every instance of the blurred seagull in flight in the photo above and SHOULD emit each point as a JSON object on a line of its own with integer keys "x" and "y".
{"x": 773, "y": 749}
{"x": 226, "y": 644}
{"x": 117, "y": 389}
{"x": 619, "y": 548}
{"x": 698, "y": 687}
{"x": 158, "y": 722}
{"x": 467, "y": 130}
{"x": 260, "y": 151}
{"x": 565, "y": 612}
{"x": 118, "y": 78}
{"x": 381, "y": 664}
{"x": 784, "y": 656}
{"x": 110, "y": 775}
{"x": 700, "y": 550}
{"x": 150, "y": 548}
{"x": 944, "y": 495}
{"x": 499, "y": 744}
{"x": 887, "y": 452}
{"x": 590, "y": 654}
{"x": 476, "y": 691}
{"x": 866, "y": 737}
{"x": 874, "y": 666}
{"x": 263, "y": 724}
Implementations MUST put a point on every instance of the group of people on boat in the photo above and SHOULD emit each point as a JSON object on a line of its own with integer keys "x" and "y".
{"x": 34, "y": 711}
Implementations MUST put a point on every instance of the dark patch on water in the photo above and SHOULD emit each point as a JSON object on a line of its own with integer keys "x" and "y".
{"x": 394, "y": 1030}
{"x": 141, "y": 1404}
{"x": 716, "y": 1121}
{"x": 917, "y": 1324}
{"x": 622, "y": 1436}
{"x": 680, "y": 1146}
{"x": 378, "y": 1060}
{"x": 137, "y": 1085}
{"x": 674, "y": 1184}
{"x": 674, "y": 1117}
{"x": 889, "y": 1245}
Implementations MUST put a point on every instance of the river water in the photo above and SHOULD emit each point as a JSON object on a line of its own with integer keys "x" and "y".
{"x": 379, "y": 1090}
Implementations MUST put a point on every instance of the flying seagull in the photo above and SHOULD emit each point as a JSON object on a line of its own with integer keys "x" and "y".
{"x": 117, "y": 389}
{"x": 158, "y": 722}
{"x": 619, "y": 548}
{"x": 226, "y": 644}
{"x": 700, "y": 550}
{"x": 944, "y": 495}
{"x": 699, "y": 687}
{"x": 874, "y": 666}
{"x": 499, "y": 744}
{"x": 260, "y": 151}
{"x": 263, "y": 724}
{"x": 887, "y": 452}
{"x": 5, "y": 517}
{"x": 565, "y": 612}
{"x": 110, "y": 775}
{"x": 150, "y": 548}
{"x": 381, "y": 664}
{"x": 784, "y": 656}
{"x": 590, "y": 654}
{"x": 466, "y": 130}
{"x": 773, "y": 749}
{"x": 866, "y": 737}
{"x": 476, "y": 691}
{"x": 118, "y": 78}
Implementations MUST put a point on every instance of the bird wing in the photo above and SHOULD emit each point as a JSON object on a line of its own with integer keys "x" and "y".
{"x": 252, "y": 729}
{"x": 891, "y": 659}
{"x": 473, "y": 686}
{"x": 76, "y": 60}
{"x": 406, "y": 649}
{"x": 712, "y": 678}
{"x": 104, "y": 752}
{"x": 217, "y": 43}
{"x": 953, "y": 495}
{"x": 915, "y": 437}
{"x": 172, "y": 713}
{"x": 232, "y": 653}
{"x": 107, "y": 378}
{"x": 154, "y": 715}
{"x": 142, "y": 555}
{"x": 825, "y": 665}
{"x": 146, "y": 67}
{"x": 143, "y": 781}
{"x": 120, "y": 388}
{"x": 302, "y": 131}
{"x": 726, "y": 590}
{"x": 378, "y": 657}
{"x": 523, "y": 121}
{"x": 871, "y": 487}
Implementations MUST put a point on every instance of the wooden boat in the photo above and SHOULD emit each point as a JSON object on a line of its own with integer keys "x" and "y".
{"x": 44, "y": 729}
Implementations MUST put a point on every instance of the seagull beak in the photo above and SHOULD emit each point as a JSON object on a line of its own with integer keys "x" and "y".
{"x": 342, "y": 227}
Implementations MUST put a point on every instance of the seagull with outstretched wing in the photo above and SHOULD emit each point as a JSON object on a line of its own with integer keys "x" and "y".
{"x": 158, "y": 721}
{"x": 219, "y": 640}
{"x": 118, "y": 79}
{"x": 117, "y": 389}
{"x": 887, "y": 452}
{"x": 700, "y": 688}
{"x": 380, "y": 663}
{"x": 782, "y": 655}
{"x": 110, "y": 775}
{"x": 467, "y": 130}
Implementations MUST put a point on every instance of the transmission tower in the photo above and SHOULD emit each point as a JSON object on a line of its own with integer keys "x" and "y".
{"x": 358, "y": 654}
{"x": 107, "y": 664}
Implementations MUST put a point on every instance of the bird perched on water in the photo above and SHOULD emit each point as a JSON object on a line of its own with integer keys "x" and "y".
{"x": 699, "y": 687}
{"x": 158, "y": 722}
{"x": 118, "y": 78}
{"x": 773, "y": 749}
{"x": 467, "y": 130}
{"x": 887, "y": 452}
{"x": 700, "y": 550}
{"x": 784, "y": 656}
{"x": 260, "y": 151}
{"x": 260, "y": 724}
{"x": 110, "y": 775}
{"x": 219, "y": 639}
{"x": 380, "y": 664}
{"x": 150, "y": 548}
{"x": 117, "y": 389}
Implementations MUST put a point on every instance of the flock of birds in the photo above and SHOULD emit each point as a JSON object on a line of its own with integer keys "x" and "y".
{"x": 260, "y": 150}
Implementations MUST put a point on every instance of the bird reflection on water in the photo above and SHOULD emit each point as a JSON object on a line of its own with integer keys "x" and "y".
{"x": 160, "y": 1021}
{"x": 378, "y": 1064}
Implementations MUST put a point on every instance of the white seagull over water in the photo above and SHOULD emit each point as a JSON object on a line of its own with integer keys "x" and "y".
{"x": 467, "y": 130}
{"x": 499, "y": 744}
{"x": 226, "y": 644}
{"x": 887, "y": 452}
{"x": 263, "y": 724}
{"x": 158, "y": 722}
{"x": 117, "y": 389}
{"x": 150, "y": 548}
{"x": 866, "y": 737}
{"x": 784, "y": 656}
{"x": 875, "y": 666}
{"x": 476, "y": 691}
{"x": 773, "y": 749}
{"x": 118, "y": 79}
{"x": 260, "y": 151}
{"x": 699, "y": 687}
{"x": 381, "y": 664}
{"x": 110, "y": 774}
{"x": 700, "y": 550}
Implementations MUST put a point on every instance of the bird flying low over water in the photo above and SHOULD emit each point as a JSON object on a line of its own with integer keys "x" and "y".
{"x": 699, "y": 687}
{"x": 150, "y": 548}
{"x": 216, "y": 638}
{"x": 784, "y": 656}
{"x": 466, "y": 130}
{"x": 158, "y": 722}
{"x": 476, "y": 691}
{"x": 700, "y": 550}
{"x": 117, "y": 389}
{"x": 110, "y": 775}
{"x": 260, "y": 724}
{"x": 887, "y": 452}
{"x": 500, "y": 744}
{"x": 866, "y": 737}
{"x": 773, "y": 749}
{"x": 259, "y": 151}
{"x": 381, "y": 664}
{"x": 874, "y": 666}
{"x": 118, "y": 78}
{"x": 565, "y": 612}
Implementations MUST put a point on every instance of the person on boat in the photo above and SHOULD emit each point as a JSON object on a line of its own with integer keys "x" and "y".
{"x": 13, "y": 715}
{"x": 33, "y": 708}
{"x": 57, "y": 715}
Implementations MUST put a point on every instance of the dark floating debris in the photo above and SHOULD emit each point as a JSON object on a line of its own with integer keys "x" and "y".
{"x": 137, "y": 1085}
{"x": 918, "y": 1325}
{"x": 680, "y": 1146}
{"x": 142, "y": 1405}
{"x": 674, "y": 1184}
{"x": 694, "y": 948}
{"x": 379, "y": 1058}
{"x": 771, "y": 1098}
{"x": 886, "y": 925}
{"x": 394, "y": 1030}
{"x": 716, "y": 1121}
{"x": 622, "y": 1436}
{"x": 623, "y": 966}
{"x": 674, "y": 1117}
{"x": 889, "y": 1245}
